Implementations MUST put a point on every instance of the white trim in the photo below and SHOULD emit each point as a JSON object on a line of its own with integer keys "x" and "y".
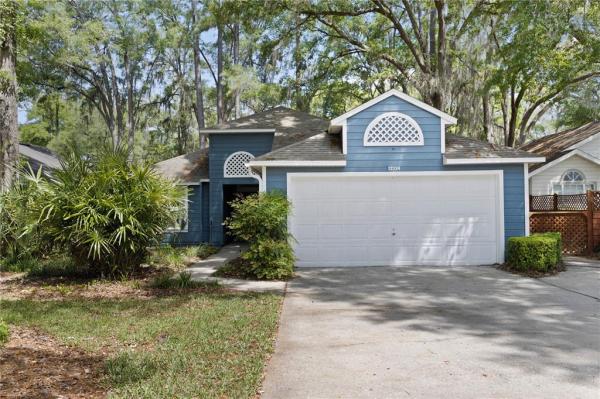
{"x": 187, "y": 218}
{"x": 224, "y": 131}
{"x": 582, "y": 142}
{"x": 450, "y": 120}
{"x": 263, "y": 187}
{"x": 526, "y": 188}
{"x": 499, "y": 174}
{"x": 226, "y": 175}
{"x": 477, "y": 161}
{"x": 297, "y": 163}
{"x": 442, "y": 137}
{"x": 344, "y": 134}
{"x": 582, "y": 154}
{"x": 375, "y": 121}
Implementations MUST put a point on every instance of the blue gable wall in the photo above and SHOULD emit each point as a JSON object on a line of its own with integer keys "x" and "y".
{"x": 377, "y": 159}
{"x": 412, "y": 158}
{"x": 221, "y": 146}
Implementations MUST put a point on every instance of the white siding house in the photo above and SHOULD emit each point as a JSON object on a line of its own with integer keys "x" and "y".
{"x": 573, "y": 162}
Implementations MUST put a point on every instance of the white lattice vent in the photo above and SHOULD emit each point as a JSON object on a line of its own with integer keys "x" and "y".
{"x": 235, "y": 165}
{"x": 392, "y": 129}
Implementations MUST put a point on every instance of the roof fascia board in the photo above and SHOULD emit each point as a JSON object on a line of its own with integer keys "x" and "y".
{"x": 487, "y": 161}
{"x": 562, "y": 158}
{"x": 225, "y": 131}
{"x": 296, "y": 163}
{"x": 448, "y": 119}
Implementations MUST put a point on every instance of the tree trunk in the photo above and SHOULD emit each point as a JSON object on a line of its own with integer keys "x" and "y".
{"x": 488, "y": 123}
{"x": 220, "y": 99}
{"x": 130, "y": 112}
{"x": 9, "y": 132}
{"x": 199, "y": 106}
{"x": 298, "y": 66}
{"x": 236, "y": 61}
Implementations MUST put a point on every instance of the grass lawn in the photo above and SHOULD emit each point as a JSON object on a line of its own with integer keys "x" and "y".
{"x": 196, "y": 343}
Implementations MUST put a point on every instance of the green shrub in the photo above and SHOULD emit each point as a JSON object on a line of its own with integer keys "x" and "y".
{"x": 17, "y": 213}
{"x": 105, "y": 212}
{"x": 3, "y": 332}
{"x": 556, "y": 236}
{"x": 261, "y": 220}
{"x": 182, "y": 280}
{"x": 537, "y": 253}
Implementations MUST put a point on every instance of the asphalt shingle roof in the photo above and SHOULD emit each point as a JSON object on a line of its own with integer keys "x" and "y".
{"x": 320, "y": 147}
{"x": 555, "y": 145}
{"x": 37, "y": 157}
{"x": 187, "y": 168}
{"x": 290, "y": 125}
{"x": 465, "y": 147}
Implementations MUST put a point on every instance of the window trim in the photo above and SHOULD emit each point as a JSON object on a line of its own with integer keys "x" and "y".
{"x": 562, "y": 184}
{"x": 410, "y": 120}
{"x": 186, "y": 217}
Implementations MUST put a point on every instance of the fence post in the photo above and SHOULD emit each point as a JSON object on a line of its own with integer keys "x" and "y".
{"x": 590, "y": 222}
{"x": 555, "y": 202}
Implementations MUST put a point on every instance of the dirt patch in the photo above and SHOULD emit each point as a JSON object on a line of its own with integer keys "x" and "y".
{"x": 35, "y": 365}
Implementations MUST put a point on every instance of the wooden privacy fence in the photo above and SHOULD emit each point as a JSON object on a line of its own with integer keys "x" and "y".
{"x": 576, "y": 217}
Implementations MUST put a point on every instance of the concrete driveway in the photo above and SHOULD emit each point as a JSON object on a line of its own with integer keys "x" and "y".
{"x": 438, "y": 332}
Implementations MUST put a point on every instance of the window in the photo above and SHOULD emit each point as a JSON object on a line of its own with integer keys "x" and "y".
{"x": 393, "y": 129}
{"x": 181, "y": 225}
{"x": 235, "y": 165}
{"x": 572, "y": 182}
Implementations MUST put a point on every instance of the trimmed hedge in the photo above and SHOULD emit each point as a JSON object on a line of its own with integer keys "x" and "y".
{"x": 538, "y": 252}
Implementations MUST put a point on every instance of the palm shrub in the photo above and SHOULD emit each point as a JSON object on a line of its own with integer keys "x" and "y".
{"x": 106, "y": 211}
{"x": 16, "y": 213}
{"x": 261, "y": 220}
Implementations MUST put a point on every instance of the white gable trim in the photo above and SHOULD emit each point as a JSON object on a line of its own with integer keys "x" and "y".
{"x": 558, "y": 160}
{"x": 448, "y": 119}
{"x": 255, "y": 163}
{"x": 582, "y": 142}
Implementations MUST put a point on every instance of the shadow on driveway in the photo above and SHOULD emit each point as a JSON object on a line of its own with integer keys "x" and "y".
{"x": 428, "y": 332}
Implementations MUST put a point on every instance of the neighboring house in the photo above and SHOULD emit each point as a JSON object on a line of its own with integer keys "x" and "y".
{"x": 38, "y": 157}
{"x": 382, "y": 184}
{"x": 572, "y": 161}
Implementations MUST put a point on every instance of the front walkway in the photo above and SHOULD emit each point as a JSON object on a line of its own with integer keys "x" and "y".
{"x": 204, "y": 270}
{"x": 426, "y": 332}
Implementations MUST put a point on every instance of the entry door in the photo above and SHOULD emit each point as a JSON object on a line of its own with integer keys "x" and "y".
{"x": 376, "y": 219}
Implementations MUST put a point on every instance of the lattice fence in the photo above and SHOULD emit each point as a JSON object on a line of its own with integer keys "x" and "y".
{"x": 575, "y": 202}
{"x": 596, "y": 200}
{"x": 572, "y": 226}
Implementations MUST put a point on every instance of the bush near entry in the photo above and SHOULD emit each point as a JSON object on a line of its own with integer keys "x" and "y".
{"x": 535, "y": 253}
{"x": 261, "y": 220}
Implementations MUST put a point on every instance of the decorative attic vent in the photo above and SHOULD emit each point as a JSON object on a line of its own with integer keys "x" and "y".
{"x": 393, "y": 129}
{"x": 235, "y": 165}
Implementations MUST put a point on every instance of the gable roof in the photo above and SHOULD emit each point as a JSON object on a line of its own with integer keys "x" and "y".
{"x": 289, "y": 125}
{"x": 554, "y": 146}
{"x": 39, "y": 157}
{"x": 448, "y": 119}
{"x": 189, "y": 168}
{"x": 466, "y": 148}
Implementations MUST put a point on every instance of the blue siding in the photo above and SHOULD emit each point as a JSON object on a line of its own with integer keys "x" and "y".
{"x": 413, "y": 158}
{"x": 221, "y": 146}
{"x": 195, "y": 221}
{"x": 377, "y": 159}
{"x": 205, "y": 212}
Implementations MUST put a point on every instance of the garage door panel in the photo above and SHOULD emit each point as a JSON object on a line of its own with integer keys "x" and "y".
{"x": 363, "y": 220}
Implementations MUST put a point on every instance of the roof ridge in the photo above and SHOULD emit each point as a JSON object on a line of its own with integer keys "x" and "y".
{"x": 287, "y": 147}
{"x": 566, "y": 131}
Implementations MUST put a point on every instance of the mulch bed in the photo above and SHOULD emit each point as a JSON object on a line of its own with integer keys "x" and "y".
{"x": 533, "y": 273}
{"x": 35, "y": 365}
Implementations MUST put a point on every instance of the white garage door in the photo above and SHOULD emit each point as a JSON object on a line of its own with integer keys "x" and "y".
{"x": 405, "y": 218}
